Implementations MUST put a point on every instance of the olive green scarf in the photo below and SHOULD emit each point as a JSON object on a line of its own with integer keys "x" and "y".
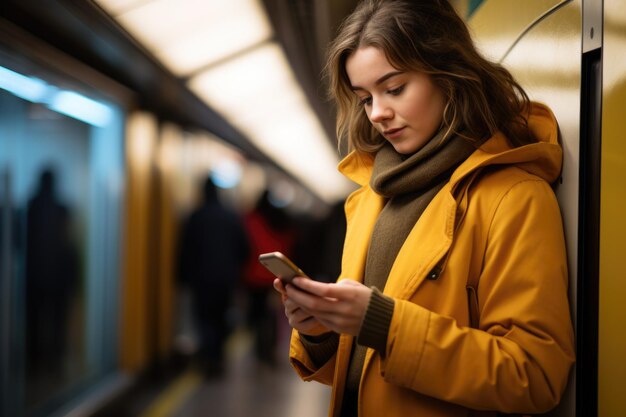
{"x": 409, "y": 183}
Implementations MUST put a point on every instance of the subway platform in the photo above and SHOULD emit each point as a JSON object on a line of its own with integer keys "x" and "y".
{"x": 245, "y": 388}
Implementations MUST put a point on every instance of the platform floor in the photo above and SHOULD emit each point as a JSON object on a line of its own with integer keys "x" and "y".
{"x": 247, "y": 388}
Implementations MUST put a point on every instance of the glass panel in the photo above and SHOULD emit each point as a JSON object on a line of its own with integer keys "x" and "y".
{"x": 53, "y": 194}
{"x": 61, "y": 168}
{"x": 6, "y": 286}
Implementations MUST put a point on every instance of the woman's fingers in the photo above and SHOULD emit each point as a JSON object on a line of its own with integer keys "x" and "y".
{"x": 311, "y": 302}
{"x": 340, "y": 307}
{"x": 299, "y": 317}
{"x": 305, "y": 322}
{"x": 320, "y": 297}
{"x": 321, "y": 289}
{"x": 291, "y": 306}
{"x": 311, "y": 305}
{"x": 294, "y": 310}
{"x": 340, "y": 290}
{"x": 280, "y": 287}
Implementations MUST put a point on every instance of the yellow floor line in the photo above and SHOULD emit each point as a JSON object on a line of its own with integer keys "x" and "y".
{"x": 175, "y": 395}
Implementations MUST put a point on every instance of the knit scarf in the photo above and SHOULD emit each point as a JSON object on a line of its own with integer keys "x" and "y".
{"x": 409, "y": 183}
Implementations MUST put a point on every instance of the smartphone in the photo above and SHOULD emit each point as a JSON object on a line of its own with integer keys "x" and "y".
{"x": 281, "y": 266}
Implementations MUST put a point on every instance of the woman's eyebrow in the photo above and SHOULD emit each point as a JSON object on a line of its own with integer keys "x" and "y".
{"x": 380, "y": 80}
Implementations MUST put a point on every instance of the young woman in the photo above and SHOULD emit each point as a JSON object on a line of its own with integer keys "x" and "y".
{"x": 452, "y": 299}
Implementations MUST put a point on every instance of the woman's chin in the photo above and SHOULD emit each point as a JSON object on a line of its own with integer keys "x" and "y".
{"x": 405, "y": 148}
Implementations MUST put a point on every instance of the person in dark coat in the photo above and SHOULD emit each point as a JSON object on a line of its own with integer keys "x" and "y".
{"x": 51, "y": 278}
{"x": 214, "y": 246}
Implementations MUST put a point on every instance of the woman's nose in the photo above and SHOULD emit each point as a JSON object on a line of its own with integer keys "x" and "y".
{"x": 380, "y": 111}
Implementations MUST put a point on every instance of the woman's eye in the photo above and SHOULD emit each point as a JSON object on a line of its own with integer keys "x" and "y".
{"x": 366, "y": 101}
{"x": 396, "y": 91}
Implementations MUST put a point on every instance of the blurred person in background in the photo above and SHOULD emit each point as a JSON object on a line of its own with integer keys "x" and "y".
{"x": 319, "y": 243}
{"x": 270, "y": 230}
{"x": 51, "y": 278}
{"x": 213, "y": 249}
{"x": 331, "y": 246}
{"x": 453, "y": 295}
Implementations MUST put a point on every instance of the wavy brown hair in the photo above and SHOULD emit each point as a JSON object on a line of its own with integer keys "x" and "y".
{"x": 427, "y": 36}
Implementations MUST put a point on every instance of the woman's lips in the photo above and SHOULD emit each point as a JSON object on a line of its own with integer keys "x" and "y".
{"x": 393, "y": 133}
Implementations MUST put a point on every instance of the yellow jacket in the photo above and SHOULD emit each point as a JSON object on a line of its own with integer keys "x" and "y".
{"x": 510, "y": 236}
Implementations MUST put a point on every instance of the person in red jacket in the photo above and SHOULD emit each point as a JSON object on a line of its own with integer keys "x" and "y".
{"x": 269, "y": 230}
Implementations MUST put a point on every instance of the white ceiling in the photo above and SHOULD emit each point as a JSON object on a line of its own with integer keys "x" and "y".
{"x": 226, "y": 53}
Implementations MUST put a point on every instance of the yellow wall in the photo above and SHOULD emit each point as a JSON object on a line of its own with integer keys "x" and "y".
{"x": 612, "y": 314}
{"x": 135, "y": 325}
{"x": 168, "y": 149}
{"x": 496, "y": 24}
{"x": 148, "y": 286}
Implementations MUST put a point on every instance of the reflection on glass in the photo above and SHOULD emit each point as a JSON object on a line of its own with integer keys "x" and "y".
{"x": 51, "y": 287}
{"x": 61, "y": 166}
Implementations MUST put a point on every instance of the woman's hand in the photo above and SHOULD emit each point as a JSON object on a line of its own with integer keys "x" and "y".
{"x": 339, "y": 307}
{"x": 298, "y": 318}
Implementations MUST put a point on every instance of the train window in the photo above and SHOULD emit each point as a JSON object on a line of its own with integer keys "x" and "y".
{"x": 61, "y": 173}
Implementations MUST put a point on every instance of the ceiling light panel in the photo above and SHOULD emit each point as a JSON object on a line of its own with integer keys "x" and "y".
{"x": 117, "y": 7}
{"x": 259, "y": 95}
{"x": 187, "y": 35}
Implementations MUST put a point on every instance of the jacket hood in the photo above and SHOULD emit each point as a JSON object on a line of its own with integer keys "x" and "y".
{"x": 543, "y": 159}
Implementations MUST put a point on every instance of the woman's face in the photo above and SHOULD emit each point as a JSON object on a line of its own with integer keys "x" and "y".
{"x": 405, "y": 107}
